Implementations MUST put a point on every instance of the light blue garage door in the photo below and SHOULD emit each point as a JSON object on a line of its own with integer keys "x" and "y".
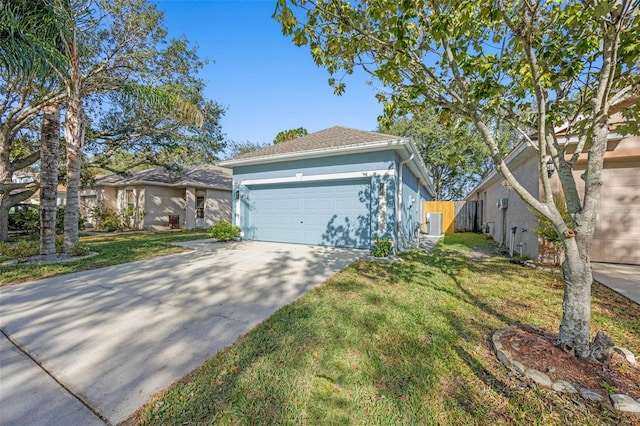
{"x": 335, "y": 213}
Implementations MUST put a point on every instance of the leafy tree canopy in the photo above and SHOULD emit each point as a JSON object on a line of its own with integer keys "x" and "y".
{"x": 238, "y": 148}
{"x": 531, "y": 64}
{"x": 452, "y": 149}
{"x": 287, "y": 135}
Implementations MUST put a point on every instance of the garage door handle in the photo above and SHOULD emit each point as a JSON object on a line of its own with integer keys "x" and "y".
{"x": 301, "y": 222}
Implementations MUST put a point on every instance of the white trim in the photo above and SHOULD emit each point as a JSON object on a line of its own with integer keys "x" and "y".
{"x": 299, "y": 177}
{"x": 238, "y": 206}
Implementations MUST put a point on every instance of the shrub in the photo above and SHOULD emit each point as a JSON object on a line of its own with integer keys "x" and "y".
{"x": 79, "y": 250}
{"x": 224, "y": 231}
{"x": 21, "y": 249}
{"x": 109, "y": 220}
{"x": 382, "y": 247}
{"x": 28, "y": 220}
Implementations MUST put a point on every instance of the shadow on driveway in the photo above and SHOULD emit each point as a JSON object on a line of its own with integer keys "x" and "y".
{"x": 115, "y": 336}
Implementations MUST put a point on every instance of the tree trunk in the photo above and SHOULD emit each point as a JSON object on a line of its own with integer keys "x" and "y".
{"x": 5, "y": 177}
{"x": 576, "y": 304}
{"x": 50, "y": 143}
{"x": 74, "y": 136}
{"x": 576, "y": 320}
{"x": 4, "y": 217}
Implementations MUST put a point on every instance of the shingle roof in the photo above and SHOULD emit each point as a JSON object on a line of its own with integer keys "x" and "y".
{"x": 205, "y": 175}
{"x": 329, "y": 138}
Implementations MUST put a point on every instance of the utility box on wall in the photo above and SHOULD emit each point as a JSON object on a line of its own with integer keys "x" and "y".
{"x": 434, "y": 223}
{"x": 446, "y": 208}
{"x": 503, "y": 203}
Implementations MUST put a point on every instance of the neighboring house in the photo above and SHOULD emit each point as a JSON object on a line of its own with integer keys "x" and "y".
{"x": 194, "y": 198}
{"x": 24, "y": 177}
{"x": 336, "y": 187}
{"x": 28, "y": 177}
{"x": 617, "y": 233}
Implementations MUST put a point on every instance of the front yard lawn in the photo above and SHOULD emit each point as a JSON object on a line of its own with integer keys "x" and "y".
{"x": 112, "y": 249}
{"x": 402, "y": 343}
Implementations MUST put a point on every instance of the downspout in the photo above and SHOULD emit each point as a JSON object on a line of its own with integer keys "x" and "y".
{"x": 399, "y": 200}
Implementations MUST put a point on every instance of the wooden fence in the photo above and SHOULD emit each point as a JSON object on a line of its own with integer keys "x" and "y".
{"x": 457, "y": 216}
{"x": 468, "y": 216}
{"x": 447, "y": 210}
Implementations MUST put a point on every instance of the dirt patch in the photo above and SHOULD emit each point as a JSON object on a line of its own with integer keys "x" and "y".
{"x": 536, "y": 349}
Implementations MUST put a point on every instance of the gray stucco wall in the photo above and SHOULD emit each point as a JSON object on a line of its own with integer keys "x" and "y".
{"x": 159, "y": 203}
{"x": 517, "y": 213}
{"x": 217, "y": 206}
{"x": 617, "y": 234}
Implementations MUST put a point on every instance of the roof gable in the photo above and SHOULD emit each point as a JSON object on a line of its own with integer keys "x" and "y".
{"x": 205, "y": 175}
{"x": 333, "y": 137}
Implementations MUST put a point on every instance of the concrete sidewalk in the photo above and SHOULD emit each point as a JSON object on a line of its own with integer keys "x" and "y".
{"x": 116, "y": 336}
{"x": 624, "y": 279}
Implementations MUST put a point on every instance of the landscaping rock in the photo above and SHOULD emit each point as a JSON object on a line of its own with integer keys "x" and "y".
{"x": 591, "y": 395}
{"x": 602, "y": 348}
{"x": 516, "y": 365}
{"x": 504, "y": 356}
{"x": 628, "y": 355}
{"x": 538, "y": 377}
{"x": 563, "y": 387}
{"x": 624, "y": 403}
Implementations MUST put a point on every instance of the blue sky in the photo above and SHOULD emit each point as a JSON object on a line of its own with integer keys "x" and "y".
{"x": 265, "y": 81}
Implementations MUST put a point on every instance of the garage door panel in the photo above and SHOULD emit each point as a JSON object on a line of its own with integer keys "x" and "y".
{"x": 618, "y": 224}
{"x": 326, "y": 213}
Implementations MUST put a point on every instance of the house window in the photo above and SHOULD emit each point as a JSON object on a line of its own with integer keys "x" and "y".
{"x": 199, "y": 207}
{"x": 131, "y": 204}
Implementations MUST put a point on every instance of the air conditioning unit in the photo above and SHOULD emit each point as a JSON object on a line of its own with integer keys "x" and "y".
{"x": 502, "y": 203}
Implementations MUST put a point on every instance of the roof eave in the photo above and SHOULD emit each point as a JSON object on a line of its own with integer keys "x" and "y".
{"x": 314, "y": 153}
{"x": 395, "y": 144}
{"x": 165, "y": 185}
{"x": 519, "y": 149}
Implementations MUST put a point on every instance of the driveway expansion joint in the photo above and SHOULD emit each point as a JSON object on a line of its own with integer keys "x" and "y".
{"x": 54, "y": 378}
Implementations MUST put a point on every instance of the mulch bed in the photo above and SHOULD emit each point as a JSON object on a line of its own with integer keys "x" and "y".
{"x": 536, "y": 349}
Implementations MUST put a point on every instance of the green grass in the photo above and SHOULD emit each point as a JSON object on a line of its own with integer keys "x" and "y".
{"x": 112, "y": 250}
{"x": 395, "y": 344}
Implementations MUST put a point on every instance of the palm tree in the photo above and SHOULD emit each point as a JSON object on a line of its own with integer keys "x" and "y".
{"x": 30, "y": 34}
{"x": 62, "y": 39}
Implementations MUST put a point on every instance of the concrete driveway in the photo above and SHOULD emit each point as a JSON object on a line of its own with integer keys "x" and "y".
{"x": 625, "y": 279}
{"x": 115, "y": 336}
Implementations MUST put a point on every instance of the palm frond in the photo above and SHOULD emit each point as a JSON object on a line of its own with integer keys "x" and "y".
{"x": 29, "y": 38}
{"x": 164, "y": 102}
